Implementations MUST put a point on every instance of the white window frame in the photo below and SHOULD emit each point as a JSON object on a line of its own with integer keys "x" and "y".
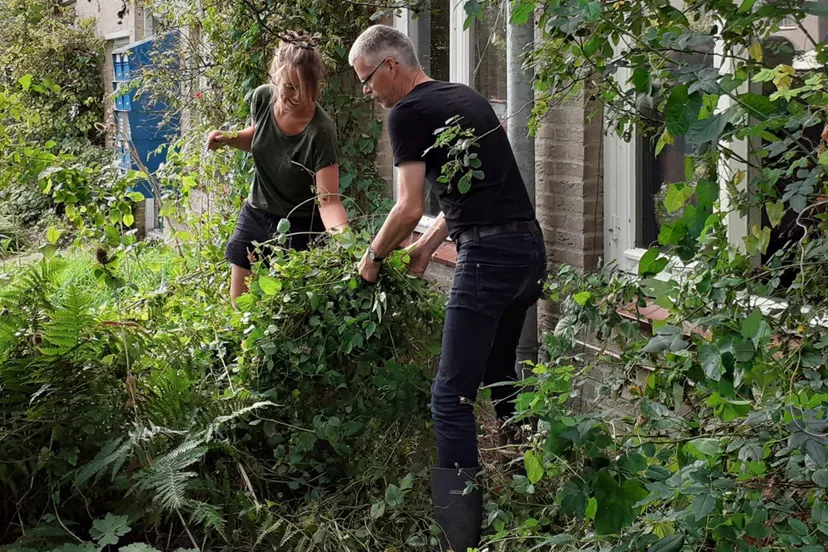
{"x": 460, "y": 63}
{"x": 621, "y": 188}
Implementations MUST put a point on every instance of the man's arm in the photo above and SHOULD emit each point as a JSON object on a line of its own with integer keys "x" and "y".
{"x": 403, "y": 218}
{"x": 407, "y": 212}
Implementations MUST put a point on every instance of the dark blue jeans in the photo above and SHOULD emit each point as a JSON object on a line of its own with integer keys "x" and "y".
{"x": 496, "y": 280}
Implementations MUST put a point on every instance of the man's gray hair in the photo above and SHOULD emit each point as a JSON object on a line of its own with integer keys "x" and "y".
{"x": 380, "y": 42}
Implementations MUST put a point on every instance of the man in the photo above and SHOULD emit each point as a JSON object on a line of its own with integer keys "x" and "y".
{"x": 501, "y": 258}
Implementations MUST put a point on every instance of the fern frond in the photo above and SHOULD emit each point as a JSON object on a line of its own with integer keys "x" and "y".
{"x": 269, "y": 528}
{"x": 167, "y": 476}
{"x": 69, "y": 320}
{"x": 207, "y": 515}
{"x": 113, "y": 453}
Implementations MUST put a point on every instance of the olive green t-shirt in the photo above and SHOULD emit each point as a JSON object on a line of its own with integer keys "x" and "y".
{"x": 282, "y": 163}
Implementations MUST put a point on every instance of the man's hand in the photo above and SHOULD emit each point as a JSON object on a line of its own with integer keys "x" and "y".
{"x": 418, "y": 259}
{"x": 368, "y": 269}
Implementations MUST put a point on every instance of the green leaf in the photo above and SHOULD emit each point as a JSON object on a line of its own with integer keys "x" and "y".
{"x": 707, "y": 130}
{"x": 109, "y": 530}
{"x": 744, "y": 351}
{"x": 377, "y": 510}
{"x": 799, "y": 528}
{"x": 592, "y": 45}
{"x": 746, "y": 6}
{"x": 582, "y": 298}
{"x": 820, "y": 477}
{"x": 634, "y": 463}
{"x": 682, "y": 109}
{"x": 53, "y": 234}
{"x": 672, "y": 234}
{"x": 269, "y": 284}
{"x": 522, "y": 11}
{"x": 25, "y": 81}
{"x": 815, "y": 8}
{"x": 706, "y": 446}
{"x": 591, "y": 10}
{"x": 752, "y": 324}
{"x": 465, "y": 183}
{"x": 776, "y": 211}
{"x": 641, "y": 80}
{"x": 711, "y": 360}
{"x": 677, "y": 196}
{"x": 819, "y": 511}
{"x": 129, "y": 219}
{"x": 138, "y": 547}
{"x": 756, "y": 52}
{"x": 591, "y": 509}
{"x": 650, "y": 264}
{"x": 283, "y": 227}
{"x": 672, "y": 543}
{"x": 703, "y": 505}
{"x": 534, "y": 467}
{"x": 48, "y": 250}
{"x": 136, "y": 197}
{"x": 757, "y": 104}
{"x": 394, "y": 496}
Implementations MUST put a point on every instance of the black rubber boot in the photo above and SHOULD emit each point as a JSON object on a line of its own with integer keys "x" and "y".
{"x": 459, "y": 516}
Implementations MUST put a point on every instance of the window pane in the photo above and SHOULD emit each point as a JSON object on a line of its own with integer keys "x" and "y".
{"x": 489, "y": 57}
{"x": 432, "y": 43}
{"x": 657, "y": 172}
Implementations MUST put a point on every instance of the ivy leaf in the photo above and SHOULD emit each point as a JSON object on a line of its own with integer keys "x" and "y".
{"x": 667, "y": 338}
{"x": 711, "y": 360}
{"x": 751, "y": 325}
{"x": 682, "y": 109}
{"x": 705, "y": 446}
{"x": 775, "y": 210}
{"x": 394, "y": 496}
{"x": 269, "y": 284}
{"x": 582, "y": 298}
{"x": 377, "y": 510}
{"x": 574, "y": 499}
{"x": 534, "y": 467}
{"x": 677, "y": 196}
{"x": 109, "y": 529}
{"x": 703, "y": 505}
{"x": 650, "y": 264}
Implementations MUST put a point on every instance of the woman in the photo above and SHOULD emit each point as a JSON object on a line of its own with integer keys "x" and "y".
{"x": 293, "y": 143}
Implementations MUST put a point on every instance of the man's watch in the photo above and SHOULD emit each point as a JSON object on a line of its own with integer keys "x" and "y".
{"x": 373, "y": 256}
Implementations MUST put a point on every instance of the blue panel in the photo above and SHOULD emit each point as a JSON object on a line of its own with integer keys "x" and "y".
{"x": 149, "y": 127}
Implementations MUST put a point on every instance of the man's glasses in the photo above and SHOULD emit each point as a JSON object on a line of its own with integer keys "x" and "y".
{"x": 368, "y": 78}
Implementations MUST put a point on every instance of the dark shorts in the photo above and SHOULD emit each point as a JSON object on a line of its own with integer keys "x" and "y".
{"x": 255, "y": 225}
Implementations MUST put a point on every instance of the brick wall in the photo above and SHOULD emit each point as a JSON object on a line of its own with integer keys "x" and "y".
{"x": 569, "y": 189}
{"x": 385, "y": 155}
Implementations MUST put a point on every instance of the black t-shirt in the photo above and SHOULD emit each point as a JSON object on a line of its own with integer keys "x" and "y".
{"x": 500, "y": 197}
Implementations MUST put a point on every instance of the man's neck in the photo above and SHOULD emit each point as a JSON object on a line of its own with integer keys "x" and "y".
{"x": 417, "y": 78}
